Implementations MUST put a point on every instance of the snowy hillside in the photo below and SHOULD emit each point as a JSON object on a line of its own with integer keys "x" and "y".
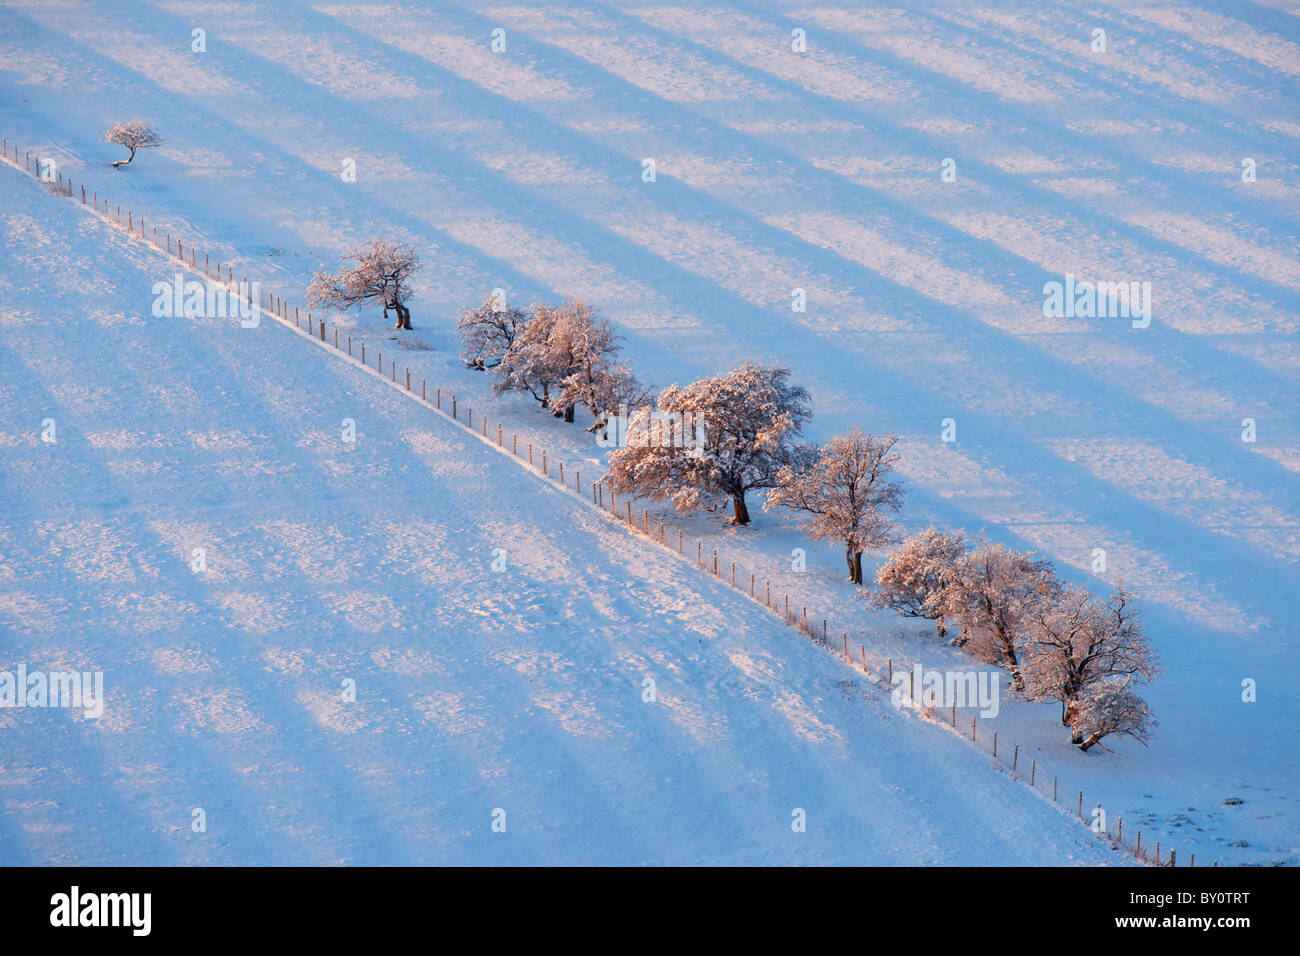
{"x": 823, "y": 170}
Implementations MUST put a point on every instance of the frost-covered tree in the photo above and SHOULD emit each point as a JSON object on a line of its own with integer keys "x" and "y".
{"x": 1073, "y": 641}
{"x": 991, "y": 590}
{"x": 590, "y": 349}
{"x": 381, "y": 277}
{"x": 134, "y": 135}
{"x": 914, "y": 579}
{"x": 751, "y": 418}
{"x": 845, "y": 491}
{"x": 488, "y": 332}
{"x": 538, "y": 360}
{"x": 614, "y": 389}
{"x": 1111, "y": 707}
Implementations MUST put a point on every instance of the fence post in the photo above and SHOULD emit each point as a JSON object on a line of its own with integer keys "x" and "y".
{"x": 679, "y": 540}
{"x": 972, "y": 721}
{"x": 824, "y": 641}
{"x": 1015, "y": 759}
{"x": 751, "y": 584}
{"x": 846, "y": 638}
{"x": 1053, "y": 789}
{"x": 954, "y": 714}
{"x": 995, "y": 743}
{"x": 1081, "y": 806}
{"x": 499, "y": 440}
{"x": 715, "y": 562}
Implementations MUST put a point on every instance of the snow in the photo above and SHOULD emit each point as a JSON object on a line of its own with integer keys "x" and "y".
{"x": 522, "y": 170}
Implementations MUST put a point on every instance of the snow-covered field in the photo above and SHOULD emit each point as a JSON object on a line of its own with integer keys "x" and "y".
{"x": 775, "y": 170}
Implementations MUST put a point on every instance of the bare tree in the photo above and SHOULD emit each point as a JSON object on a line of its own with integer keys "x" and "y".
{"x": 1073, "y": 641}
{"x": 1111, "y": 707}
{"x": 134, "y": 135}
{"x": 845, "y": 490}
{"x": 488, "y": 332}
{"x": 381, "y": 276}
{"x": 750, "y": 416}
{"x": 990, "y": 591}
{"x": 914, "y": 579}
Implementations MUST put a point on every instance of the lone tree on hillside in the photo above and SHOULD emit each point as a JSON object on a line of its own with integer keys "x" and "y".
{"x": 488, "y": 332}
{"x": 750, "y": 418}
{"x": 914, "y": 579}
{"x": 137, "y": 134}
{"x": 381, "y": 276}
{"x": 845, "y": 490}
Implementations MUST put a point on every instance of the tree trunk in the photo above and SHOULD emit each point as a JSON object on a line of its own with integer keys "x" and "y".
{"x": 127, "y": 161}
{"x": 1013, "y": 663}
{"x": 403, "y": 316}
{"x": 854, "y": 559}
{"x": 1094, "y": 739}
{"x": 741, "y": 515}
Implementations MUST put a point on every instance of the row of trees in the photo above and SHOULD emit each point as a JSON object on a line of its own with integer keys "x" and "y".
{"x": 1058, "y": 641}
{"x": 562, "y": 355}
{"x": 752, "y": 419}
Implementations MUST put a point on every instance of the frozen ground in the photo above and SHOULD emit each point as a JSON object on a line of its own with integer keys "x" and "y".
{"x": 477, "y": 689}
{"x": 775, "y": 171}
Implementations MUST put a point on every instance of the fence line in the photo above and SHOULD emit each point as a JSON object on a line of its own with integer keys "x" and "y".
{"x": 878, "y": 670}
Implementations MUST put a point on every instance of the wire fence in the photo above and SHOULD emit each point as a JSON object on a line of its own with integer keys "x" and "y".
{"x": 794, "y": 611}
